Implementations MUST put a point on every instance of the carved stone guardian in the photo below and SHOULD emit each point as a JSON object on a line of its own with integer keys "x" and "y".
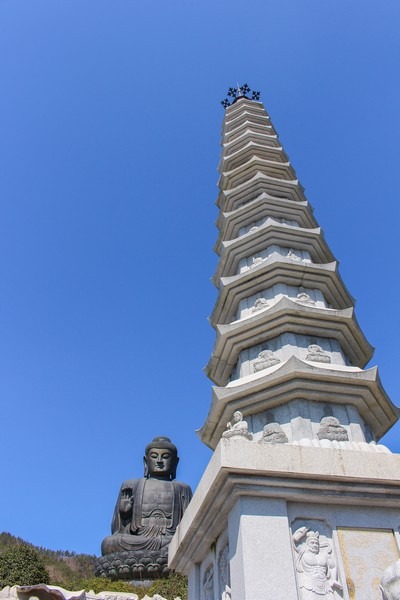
{"x": 332, "y": 429}
{"x": 390, "y": 582}
{"x": 237, "y": 428}
{"x": 315, "y": 567}
{"x": 146, "y": 515}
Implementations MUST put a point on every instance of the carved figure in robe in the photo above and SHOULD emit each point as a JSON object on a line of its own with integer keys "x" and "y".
{"x": 273, "y": 434}
{"x": 237, "y": 428}
{"x": 259, "y": 304}
{"x": 255, "y": 261}
{"x": 292, "y": 255}
{"x": 315, "y": 567}
{"x": 316, "y": 354}
{"x": 264, "y": 360}
{"x": 302, "y": 296}
{"x": 332, "y": 429}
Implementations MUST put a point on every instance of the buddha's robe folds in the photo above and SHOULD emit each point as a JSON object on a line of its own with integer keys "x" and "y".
{"x": 157, "y": 508}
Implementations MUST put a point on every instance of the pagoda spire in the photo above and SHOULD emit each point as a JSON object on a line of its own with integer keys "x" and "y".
{"x": 282, "y": 301}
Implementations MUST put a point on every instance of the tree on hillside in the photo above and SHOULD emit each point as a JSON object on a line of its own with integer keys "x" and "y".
{"x": 22, "y": 565}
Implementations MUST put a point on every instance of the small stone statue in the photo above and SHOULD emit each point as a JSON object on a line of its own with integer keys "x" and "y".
{"x": 273, "y": 434}
{"x": 332, "y": 429}
{"x": 302, "y": 296}
{"x": 292, "y": 255}
{"x": 390, "y": 582}
{"x": 259, "y": 304}
{"x": 146, "y": 516}
{"x": 264, "y": 360}
{"x": 255, "y": 261}
{"x": 316, "y": 354}
{"x": 253, "y": 227}
{"x": 237, "y": 428}
{"x": 315, "y": 567}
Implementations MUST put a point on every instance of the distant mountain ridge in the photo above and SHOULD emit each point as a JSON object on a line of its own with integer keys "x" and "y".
{"x": 67, "y": 569}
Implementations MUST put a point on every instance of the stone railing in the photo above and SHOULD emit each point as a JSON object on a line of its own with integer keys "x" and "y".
{"x": 53, "y": 592}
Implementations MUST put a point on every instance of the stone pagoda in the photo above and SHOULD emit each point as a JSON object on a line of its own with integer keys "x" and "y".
{"x": 299, "y": 500}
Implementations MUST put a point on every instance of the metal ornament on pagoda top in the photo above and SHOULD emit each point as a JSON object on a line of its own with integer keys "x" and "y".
{"x": 241, "y": 91}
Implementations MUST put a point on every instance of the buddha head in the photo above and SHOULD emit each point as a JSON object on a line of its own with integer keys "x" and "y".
{"x": 237, "y": 416}
{"x": 161, "y": 459}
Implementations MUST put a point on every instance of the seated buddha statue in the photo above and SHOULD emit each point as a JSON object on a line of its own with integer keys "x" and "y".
{"x": 146, "y": 515}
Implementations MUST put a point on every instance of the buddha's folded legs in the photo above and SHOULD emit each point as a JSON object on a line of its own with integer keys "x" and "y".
{"x": 122, "y": 542}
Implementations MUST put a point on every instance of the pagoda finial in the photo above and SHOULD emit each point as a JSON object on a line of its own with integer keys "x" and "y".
{"x": 241, "y": 91}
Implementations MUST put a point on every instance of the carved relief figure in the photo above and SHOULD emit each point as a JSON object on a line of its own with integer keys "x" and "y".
{"x": 390, "y": 582}
{"x": 208, "y": 583}
{"x": 273, "y": 434}
{"x": 146, "y": 516}
{"x": 332, "y": 429}
{"x": 224, "y": 579}
{"x": 264, "y": 360}
{"x": 237, "y": 428}
{"x": 302, "y": 296}
{"x": 315, "y": 567}
{"x": 259, "y": 304}
{"x": 316, "y": 354}
{"x": 255, "y": 261}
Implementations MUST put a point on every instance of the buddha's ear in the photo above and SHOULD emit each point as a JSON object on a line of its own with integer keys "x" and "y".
{"x": 146, "y": 468}
{"x": 173, "y": 472}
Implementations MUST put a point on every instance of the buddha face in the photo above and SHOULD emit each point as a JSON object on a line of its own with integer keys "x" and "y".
{"x": 161, "y": 463}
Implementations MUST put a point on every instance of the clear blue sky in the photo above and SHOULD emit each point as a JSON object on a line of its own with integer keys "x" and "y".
{"x": 110, "y": 130}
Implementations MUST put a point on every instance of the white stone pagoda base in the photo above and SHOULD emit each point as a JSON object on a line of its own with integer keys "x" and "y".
{"x": 240, "y": 536}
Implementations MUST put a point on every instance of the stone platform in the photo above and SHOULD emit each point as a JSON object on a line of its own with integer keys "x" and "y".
{"x": 242, "y": 527}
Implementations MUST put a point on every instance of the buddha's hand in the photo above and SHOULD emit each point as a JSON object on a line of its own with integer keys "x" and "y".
{"x": 126, "y": 501}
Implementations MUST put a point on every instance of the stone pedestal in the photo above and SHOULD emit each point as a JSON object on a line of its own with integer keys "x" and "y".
{"x": 253, "y": 499}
